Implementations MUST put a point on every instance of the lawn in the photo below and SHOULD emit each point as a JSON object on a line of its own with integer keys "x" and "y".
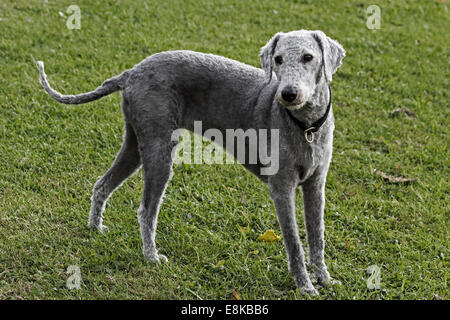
{"x": 52, "y": 154}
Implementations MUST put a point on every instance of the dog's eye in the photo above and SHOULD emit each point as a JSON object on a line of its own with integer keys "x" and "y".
{"x": 307, "y": 57}
{"x": 278, "y": 60}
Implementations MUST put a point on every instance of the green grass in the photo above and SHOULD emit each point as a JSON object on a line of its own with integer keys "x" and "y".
{"x": 51, "y": 155}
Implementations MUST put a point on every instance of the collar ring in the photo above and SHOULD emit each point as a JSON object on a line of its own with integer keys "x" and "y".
{"x": 309, "y": 135}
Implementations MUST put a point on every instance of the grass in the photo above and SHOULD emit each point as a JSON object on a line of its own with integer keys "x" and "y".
{"x": 51, "y": 155}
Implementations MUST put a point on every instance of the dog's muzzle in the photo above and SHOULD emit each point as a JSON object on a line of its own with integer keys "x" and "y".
{"x": 290, "y": 98}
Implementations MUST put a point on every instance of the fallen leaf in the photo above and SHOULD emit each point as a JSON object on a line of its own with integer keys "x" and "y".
{"x": 236, "y": 295}
{"x": 404, "y": 110}
{"x": 219, "y": 264}
{"x": 269, "y": 236}
{"x": 393, "y": 179}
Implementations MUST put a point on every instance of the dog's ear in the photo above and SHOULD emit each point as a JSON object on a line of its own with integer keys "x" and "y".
{"x": 332, "y": 53}
{"x": 266, "y": 55}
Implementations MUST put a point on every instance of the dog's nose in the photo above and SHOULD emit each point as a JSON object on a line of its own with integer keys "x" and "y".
{"x": 289, "y": 94}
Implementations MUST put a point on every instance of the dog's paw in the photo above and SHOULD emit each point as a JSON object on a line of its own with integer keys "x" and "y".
{"x": 101, "y": 228}
{"x": 305, "y": 286}
{"x": 323, "y": 278}
{"x": 156, "y": 258}
{"x": 309, "y": 290}
{"x": 320, "y": 275}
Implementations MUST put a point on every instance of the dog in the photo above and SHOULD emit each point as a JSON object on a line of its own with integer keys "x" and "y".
{"x": 291, "y": 93}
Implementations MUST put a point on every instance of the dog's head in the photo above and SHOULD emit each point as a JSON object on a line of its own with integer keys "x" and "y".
{"x": 301, "y": 60}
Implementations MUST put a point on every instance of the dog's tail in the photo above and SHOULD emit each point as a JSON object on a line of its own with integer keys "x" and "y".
{"x": 109, "y": 86}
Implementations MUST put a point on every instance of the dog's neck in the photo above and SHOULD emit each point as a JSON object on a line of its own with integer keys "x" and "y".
{"x": 316, "y": 108}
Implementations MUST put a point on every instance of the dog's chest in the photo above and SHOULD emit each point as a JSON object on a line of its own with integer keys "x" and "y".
{"x": 307, "y": 160}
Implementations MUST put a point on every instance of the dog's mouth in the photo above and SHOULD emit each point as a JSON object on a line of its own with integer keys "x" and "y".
{"x": 294, "y": 105}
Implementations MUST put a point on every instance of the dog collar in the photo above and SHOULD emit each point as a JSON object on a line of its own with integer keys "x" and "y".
{"x": 309, "y": 131}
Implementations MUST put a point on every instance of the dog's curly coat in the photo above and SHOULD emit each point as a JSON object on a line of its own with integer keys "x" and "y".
{"x": 169, "y": 90}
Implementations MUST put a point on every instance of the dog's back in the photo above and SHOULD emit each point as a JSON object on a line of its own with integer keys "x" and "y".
{"x": 221, "y": 91}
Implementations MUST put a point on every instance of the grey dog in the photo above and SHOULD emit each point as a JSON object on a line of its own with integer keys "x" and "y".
{"x": 170, "y": 90}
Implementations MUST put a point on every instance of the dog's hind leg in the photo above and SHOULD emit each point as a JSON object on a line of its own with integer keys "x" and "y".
{"x": 126, "y": 163}
{"x": 157, "y": 164}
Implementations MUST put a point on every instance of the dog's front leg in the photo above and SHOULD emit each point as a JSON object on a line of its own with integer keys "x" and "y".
{"x": 314, "y": 203}
{"x": 283, "y": 195}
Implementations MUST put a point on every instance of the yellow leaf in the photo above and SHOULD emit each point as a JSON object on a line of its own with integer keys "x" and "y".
{"x": 269, "y": 236}
{"x": 219, "y": 264}
{"x": 236, "y": 295}
{"x": 254, "y": 252}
